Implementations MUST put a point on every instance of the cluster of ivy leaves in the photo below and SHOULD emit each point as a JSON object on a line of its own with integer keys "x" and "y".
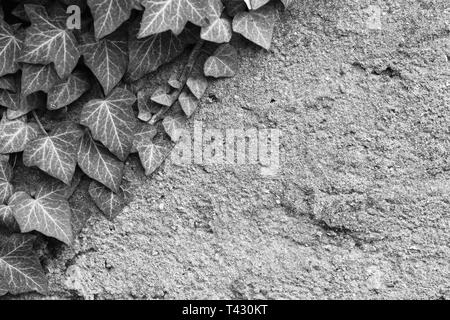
{"x": 46, "y": 67}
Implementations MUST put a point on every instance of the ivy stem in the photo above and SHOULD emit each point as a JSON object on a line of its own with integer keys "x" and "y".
{"x": 14, "y": 161}
{"x": 183, "y": 79}
{"x": 39, "y": 122}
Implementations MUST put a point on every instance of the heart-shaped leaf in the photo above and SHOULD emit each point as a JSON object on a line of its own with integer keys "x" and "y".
{"x": 53, "y": 186}
{"x": 173, "y": 125}
{"x": 99, "y": 164}
{"x": 188, "y": 103}
{"x": 107, "y": 59}
{"x": 223, "y": 63}
{"x": 47, "y": 213}
{"x": 8, "y": 82}
{"x": 26, "y": 104}
{"x": 110, "y": 203}
{"x": 144, "y": 135}
{"x": 6, "y": 188}
{"x": 55, "y": 154}
{"x": 109, "y": 15}
{"x": 148, "y": 54}
{"x": 146, "y": 107}
{"x": 7, "y": 220}
{"x": 19, "y": 10}
{"x": 257, "y": 26}
{"x": 16, "y": 134}
{"x": 219, "y": 29}
{"x": 48, "y": 41}
{"x": 137, "y": 4}
{"x": 112, "y": 121}
{"x": 20, "y": 270}
{"x": 164, "y": 15}
{"x": 197, "y": 83}
{"x": 233, "y": 7}
{"x": 36, "y": 77}
{"x": 255, "y": 4}
{"x": 9, "y": 99}
{"x": 68, "y": 91}
{"x": 152, "y": 156}
{"x": 174, "y": 81}
{"x": 11, "y": 45}
{"x": 164, "y": 96}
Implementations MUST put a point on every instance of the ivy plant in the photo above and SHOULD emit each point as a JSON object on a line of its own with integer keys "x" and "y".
{"x": 47, "y": 66}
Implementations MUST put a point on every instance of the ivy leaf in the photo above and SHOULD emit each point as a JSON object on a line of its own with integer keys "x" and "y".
{"x": 112, "y": 121}
{"x": 37, "y": 77}
{"x": 144, "y": 135}
{"x": 18, "y": 101}
{"x": 53, "y": 186}
{"x": 8, "y": 82}
{"x": 6, "y": 188}
{"x": 107, "y": 59}
{"x": 68, "y": 91}
{"x": 26, "y": 104}
{"x": 164, "y": 96}
{"x": 146, "y": 107}
{"x": 11, "y": 99}
{"x": 257, "y": 26}
{"x": 47, "y": 213}
{"x": 197, "y": 82}
{"x": 48, "y": 41}
{"x": 11, "y": 45}
{"x": 110, "y": 203}
{"x": 99, "y": 164}
{"x": 223, "y": 63}
{"x": 7, "y": 219}
{"x": 16, "y": 134}
{"x": 19, "y": 10}
{"x": 55, "y": 154}
{"x": 188, "y": 103}
{"x": 20, "y": 270}
{"x": 152, "y": 156}
{"x": 148, "y": 54}
{"x": 233, "y": 7}
{"x": 137, "y": 4}
{"x": 173, "y": 125}
{"x": 174, "y": 81}
{"x": 219, "y": 29}
{"x": 109, "y": 15}
{"x": 164, "y": 15}
{"x": 255, "y": 4}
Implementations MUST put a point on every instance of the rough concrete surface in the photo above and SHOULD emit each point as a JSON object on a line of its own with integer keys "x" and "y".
{"x": 360, "y": 207}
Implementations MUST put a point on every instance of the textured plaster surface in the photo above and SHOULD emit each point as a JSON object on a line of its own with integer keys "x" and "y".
{"x": 360, "y": 207}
